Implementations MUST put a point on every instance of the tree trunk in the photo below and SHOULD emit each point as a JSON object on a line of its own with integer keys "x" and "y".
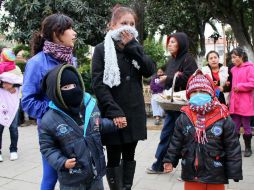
{"x": 241, "y": 38}
{"x": 138, "y": 6}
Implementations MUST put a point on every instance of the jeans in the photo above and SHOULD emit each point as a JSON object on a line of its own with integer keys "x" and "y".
{"x": 14, "y": 135}
{"x": 49, "y": 177}
{"x": 166, "y": 133}
{"x": 244, "y": 121}
{"x": 95, "y": 185}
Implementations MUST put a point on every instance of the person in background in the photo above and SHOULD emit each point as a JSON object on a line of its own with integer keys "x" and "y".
{"x": 52, "y": 46}
{"x": 183, "y": 65}
{"x": 241, "y": 105}
{"x": 219, "y": 74}
{"x": 205, "y": 139}
{"x": 118, "y": 66}
{"x": 157, "y": 87}
{"x": 10, "y": 81}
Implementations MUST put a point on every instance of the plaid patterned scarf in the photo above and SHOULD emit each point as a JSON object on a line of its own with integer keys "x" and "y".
{"x": 58, "y": 51}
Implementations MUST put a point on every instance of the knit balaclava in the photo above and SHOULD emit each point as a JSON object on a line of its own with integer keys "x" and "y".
{"x": 73, "y": 97}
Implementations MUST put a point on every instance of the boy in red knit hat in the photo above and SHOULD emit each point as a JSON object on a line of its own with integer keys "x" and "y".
{"x": 205, "y": 139}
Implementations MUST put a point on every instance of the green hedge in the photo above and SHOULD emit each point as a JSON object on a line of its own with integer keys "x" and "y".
{"x": 21, "y": 65}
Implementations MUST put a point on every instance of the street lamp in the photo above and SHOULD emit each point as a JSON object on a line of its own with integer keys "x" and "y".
{"x": 215, "y": 36}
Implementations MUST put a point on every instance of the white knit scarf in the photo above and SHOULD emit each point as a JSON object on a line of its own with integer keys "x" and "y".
{"x": 111, "y": 75}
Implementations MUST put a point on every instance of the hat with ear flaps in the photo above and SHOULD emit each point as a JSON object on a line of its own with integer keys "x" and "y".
{"x": 53, "y": 81}
{"x": 201, "y": 82}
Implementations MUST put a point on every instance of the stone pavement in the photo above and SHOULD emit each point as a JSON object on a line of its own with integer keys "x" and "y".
{"x": 25, "y": 173}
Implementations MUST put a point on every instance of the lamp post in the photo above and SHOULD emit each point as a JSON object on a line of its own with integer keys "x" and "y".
{"x": 215, "y": 36}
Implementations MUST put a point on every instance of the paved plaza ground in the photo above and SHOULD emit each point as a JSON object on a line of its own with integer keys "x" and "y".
{"x": 25, "y": 173}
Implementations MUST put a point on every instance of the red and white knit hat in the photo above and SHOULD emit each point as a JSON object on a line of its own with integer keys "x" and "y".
{"x": 199, "y": 81}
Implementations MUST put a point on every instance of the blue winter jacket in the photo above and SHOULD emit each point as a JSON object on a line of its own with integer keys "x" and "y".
{"x": 34, "y": 101}
{"x": 61, "y": 139}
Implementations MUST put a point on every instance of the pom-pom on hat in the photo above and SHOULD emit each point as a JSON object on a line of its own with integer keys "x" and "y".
{"x": 199, "y": 81}
{"x": 8, "y": 55}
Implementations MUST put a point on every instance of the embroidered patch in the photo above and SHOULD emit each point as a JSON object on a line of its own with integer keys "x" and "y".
{"x": 186, "y": 129}
{"x": 217, "y": 131}
{"x": 96, "y": 120}
{"x": 217, "y": 164}
{"x": 63, "y": 129}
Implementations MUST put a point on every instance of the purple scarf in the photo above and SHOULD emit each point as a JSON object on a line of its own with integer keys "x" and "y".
{"x": 58, "y": 51}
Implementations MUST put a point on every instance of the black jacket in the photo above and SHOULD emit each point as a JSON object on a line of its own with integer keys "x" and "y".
{"x": 127, "y": 99}
{"x": 214, "y": 162}
{"x": 183, "y": 62}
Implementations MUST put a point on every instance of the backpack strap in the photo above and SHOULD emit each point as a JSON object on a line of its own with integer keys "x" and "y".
{"x": 90, "y": 102}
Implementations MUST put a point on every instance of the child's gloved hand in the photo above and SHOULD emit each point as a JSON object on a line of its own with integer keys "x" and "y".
{"x": 107, "y": 126}
{"x": 168, "y": 167}
{"x": 236, "y": 180}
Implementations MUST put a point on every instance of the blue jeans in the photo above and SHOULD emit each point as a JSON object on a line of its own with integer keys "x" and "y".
{"x": 95, "y": 185}
{"x": 14, "y": 135}
{"x": 49, "y": 177}
{"x": 166, "y": 133}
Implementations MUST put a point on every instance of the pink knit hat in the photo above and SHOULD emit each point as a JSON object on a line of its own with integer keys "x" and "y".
{"x": 8, "y": 55}
{"x": 199, "y": 81}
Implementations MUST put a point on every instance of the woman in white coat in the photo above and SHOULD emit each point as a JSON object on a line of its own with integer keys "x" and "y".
{"x": 219, "y": 74}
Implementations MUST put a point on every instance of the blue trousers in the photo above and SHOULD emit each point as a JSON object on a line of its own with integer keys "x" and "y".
{"x": 166, "y": 133}
{"x": 13, "y": 134}
{"x": 49, "y": 177}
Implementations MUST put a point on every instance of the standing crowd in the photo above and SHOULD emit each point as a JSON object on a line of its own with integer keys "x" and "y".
{"x": 73, "y": 125}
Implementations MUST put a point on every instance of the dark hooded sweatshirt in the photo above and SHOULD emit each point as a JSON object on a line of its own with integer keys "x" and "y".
{"x": 183, "y": 62}
{"x": 62, "y": 138}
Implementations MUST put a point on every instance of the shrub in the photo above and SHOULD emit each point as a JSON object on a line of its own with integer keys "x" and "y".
{"x": 85, "y": 71}
{"x": 20, "y": 47}
{"x": 21, "y": 65}
{"x": 156, "y": 51}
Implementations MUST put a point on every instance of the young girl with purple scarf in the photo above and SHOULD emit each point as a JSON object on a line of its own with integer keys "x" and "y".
{"x": 156, "y": 88}
{"x": 52, "y": 46}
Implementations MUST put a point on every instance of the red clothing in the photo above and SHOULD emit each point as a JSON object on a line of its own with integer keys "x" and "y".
{"x": 216, "y": 75}
{"x": 202, "y": 186}
{"x": 218, "y": 113}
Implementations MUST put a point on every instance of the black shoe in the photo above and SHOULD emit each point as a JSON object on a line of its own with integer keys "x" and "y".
{"x": 114, "y": 178}
{"x": 128, "y": 173}
{"x": 247, "y": 152}
{"x": 150, "y": 170}
{"x": 247, "y": 142}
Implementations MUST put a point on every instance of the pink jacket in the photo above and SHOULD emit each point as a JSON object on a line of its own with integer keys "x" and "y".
{"x": 242, "y": 102}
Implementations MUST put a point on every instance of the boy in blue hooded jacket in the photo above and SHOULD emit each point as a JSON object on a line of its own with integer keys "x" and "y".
{"x": 70, "y": 131}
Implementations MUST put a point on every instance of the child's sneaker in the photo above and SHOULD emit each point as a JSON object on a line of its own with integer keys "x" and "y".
{"x": 13, "y": 156}
{"x": 1, "y": 158}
